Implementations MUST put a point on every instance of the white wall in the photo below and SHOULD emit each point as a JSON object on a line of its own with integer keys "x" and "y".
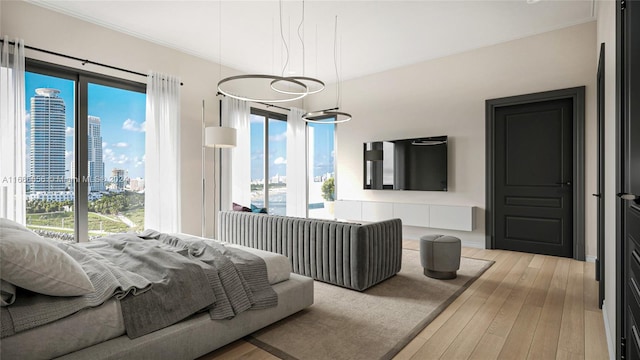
{"x": 443, "y": 96}
{"x": 606, "y": 33}
{"x": 52, "y": 31}
{"x": 447, "y": 97}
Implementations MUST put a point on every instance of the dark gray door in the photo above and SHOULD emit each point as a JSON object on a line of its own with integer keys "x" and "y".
{"x": 533, "y": 177}
{"x": 628, "y": 214}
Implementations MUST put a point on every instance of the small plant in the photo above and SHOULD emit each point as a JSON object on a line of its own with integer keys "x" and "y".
{"x": 329, "y": 190}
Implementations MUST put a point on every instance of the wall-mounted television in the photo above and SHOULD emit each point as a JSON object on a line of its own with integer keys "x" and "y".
{"x": 406, "y": 164}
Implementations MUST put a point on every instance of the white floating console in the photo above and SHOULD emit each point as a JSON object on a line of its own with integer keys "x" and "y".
{"x": 450, "y": 217}
{"x": 376, "y": 211}
{"x": 348, "y": 209}
{"x": 412, "y": 214}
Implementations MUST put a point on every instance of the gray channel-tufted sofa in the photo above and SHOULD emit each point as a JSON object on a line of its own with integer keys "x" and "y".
{"x": 350, "y": 255}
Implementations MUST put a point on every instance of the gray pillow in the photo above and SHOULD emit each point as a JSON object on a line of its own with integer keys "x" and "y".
{"x": 34, "y": 263}
{"x": 7, "y": 293}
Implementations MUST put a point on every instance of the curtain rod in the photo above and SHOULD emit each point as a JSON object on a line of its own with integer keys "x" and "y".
{"x": 83, "y": 61}
{"x": 261, "y": 103}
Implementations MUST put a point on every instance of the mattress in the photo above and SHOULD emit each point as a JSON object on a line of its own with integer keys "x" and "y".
{"x": 95, "y": 325}
{"x": 278, "y": 266}
{"x": 84, "y": 328}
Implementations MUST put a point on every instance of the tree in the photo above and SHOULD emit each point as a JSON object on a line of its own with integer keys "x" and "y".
{"x": 329, "y": 190}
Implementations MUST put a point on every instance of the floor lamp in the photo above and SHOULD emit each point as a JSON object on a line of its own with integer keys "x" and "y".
{"x": 214, "y": 137}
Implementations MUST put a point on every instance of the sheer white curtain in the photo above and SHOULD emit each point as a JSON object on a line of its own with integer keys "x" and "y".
{"x": 162, "y": 153}
{"x": 12, "y": 131}
{"x": 296, "y": 164}
{"x": 236, "y": 170}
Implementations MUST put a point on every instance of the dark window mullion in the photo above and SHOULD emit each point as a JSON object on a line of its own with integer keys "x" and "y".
{"x": 266, "y": 162}
{"x": 81, "y": 160}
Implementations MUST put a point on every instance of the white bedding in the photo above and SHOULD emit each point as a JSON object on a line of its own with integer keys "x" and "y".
{"x": 278, "y": 266}
{"x": 92, "y": 326}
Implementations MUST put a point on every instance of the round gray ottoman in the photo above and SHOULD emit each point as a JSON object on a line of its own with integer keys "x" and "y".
{"x": 440, "y": 256}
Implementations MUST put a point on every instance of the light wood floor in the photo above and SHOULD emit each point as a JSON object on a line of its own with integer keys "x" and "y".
{"x": 525, "y": 306}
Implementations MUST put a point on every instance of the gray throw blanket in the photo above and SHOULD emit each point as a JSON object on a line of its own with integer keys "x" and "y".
{"x": 159, "y": 279}
{"x": 31, "y": 309}
{"x": 239, "y": 279}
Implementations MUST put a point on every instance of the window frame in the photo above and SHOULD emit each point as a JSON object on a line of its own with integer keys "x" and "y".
{"x": 82, "y": 78}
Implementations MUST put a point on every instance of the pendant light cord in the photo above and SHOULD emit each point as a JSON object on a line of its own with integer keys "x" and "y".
{"x": 220, "y": 39}
{"x": 284, "y": 42}
{"x": 301, "y": 37}
{"x": 335, "y": 62}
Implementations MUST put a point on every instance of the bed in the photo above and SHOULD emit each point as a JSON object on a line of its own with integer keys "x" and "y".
{"x": 106, "y": 331}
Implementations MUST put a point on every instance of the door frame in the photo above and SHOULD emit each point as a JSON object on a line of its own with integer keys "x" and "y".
{"x": 621, "y": 182}
{"x": 600, "y": 186}
{"x": 576, "y": 94}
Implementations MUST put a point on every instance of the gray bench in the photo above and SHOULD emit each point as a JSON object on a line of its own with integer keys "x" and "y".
{"x": 350, "y": 255}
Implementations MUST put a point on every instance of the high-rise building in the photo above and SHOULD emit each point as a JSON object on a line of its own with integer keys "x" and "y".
{"x": 137, "y": 184}
{"x": 47, "y": 141}
{"x": 96, "y": 166}
{"x": 118, "y": 177}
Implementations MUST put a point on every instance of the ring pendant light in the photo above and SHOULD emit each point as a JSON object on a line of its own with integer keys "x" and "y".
{"x": 235, "y": 79}
{"x": 310, "y": 80}
{"x": 298, "y": 89}
{"x": 314, "y": 85}
{"x": 320, "y": 117}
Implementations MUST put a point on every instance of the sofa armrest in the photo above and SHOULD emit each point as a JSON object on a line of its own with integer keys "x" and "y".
{"x": 380, "y": 246}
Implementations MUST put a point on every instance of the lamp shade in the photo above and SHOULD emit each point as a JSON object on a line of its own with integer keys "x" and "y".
{"x": 220, "y": 137}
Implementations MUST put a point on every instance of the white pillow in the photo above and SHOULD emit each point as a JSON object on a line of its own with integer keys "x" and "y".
{"x": 34, "y": 263}
{"x": 10, "y": 224}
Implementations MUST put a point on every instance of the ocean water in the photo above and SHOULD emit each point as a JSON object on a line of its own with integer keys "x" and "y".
{"x": 280, "y": 207}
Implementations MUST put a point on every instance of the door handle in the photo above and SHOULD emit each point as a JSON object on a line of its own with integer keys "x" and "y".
{"x": 597, "y": 195}
{"x": 628, "y": 197}
{"x": 568, "y": 183}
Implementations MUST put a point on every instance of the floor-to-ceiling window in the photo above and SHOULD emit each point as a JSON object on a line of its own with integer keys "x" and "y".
{"x": 321, "y": 173}
{"x": 268, "y": 161}
{"x": 97, "y": 121}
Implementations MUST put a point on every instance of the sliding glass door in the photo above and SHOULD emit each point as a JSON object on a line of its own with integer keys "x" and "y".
{"x": 268, "y": 162}
{"x": 84, "y": 153}
{"x": 50, "y": 124}
{"x": 321, "y": 173}
{"x": 116, "y": 154}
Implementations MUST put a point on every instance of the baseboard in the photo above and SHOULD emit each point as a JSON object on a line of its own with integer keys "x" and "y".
{"x": 610, "y": 343}
{"x": 590, "y": 258}
{"x": 472, "y": 244}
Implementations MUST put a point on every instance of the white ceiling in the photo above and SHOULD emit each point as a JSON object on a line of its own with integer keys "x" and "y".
{"x": 373, "y": 36}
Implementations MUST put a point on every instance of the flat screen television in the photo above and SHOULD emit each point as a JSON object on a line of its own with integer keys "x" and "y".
{"x": 406, "y": 164}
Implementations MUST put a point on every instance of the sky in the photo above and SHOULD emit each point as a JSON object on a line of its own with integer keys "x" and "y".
{"x": 121, "y": 113}
{"x": 323, "y": 151}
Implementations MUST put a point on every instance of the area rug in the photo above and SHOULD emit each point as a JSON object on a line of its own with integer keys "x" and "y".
{"x": 374, "y": 324}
